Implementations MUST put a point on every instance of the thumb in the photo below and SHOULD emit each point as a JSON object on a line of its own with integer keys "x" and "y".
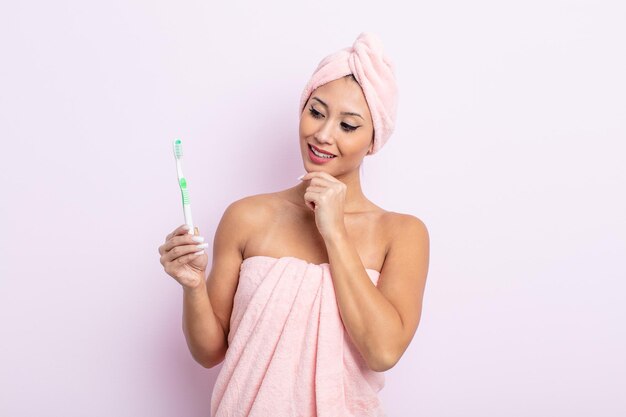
{"x": 196, "y": 231}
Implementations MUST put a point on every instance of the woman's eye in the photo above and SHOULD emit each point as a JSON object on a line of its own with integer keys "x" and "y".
{"x": 318, "y": 115}
{"x": 315, "y": 113}
{"x": 347, "y": 127}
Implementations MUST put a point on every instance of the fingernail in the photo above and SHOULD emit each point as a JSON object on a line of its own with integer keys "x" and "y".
{"x": 198, "y": 239}
{"x": 202, "y": 246}
{"x": 186, "y": 227}
{"x": 300, "y": 177}
{"x": 200, "y": 252}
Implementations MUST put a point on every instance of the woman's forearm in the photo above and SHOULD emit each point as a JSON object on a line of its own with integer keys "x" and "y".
{"x": 203, "y": 332}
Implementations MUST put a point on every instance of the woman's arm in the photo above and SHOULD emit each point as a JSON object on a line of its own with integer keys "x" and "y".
{"x": 207, "y": 308}
{"x": 382, "y": 319}
{"x": 203, "y": 332}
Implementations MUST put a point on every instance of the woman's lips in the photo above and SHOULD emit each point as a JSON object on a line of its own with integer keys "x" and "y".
{"x": 321, "y": 150}
{"x": 317, "y": 159}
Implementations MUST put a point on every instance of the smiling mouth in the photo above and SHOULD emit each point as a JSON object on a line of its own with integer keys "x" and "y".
{"x": 323, "y": 155}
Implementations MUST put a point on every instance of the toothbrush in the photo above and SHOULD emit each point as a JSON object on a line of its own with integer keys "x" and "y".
{"x": 182, "y": 182}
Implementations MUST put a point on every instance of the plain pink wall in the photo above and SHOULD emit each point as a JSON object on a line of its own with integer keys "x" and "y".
{"x": 509, "y": 146}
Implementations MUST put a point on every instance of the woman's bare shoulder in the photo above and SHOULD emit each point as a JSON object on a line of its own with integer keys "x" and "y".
{"x": 254, "y": 209}
{"x": 395, "y": 221}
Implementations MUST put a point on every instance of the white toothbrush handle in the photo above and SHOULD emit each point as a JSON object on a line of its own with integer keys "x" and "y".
{"x": 188, "y": 219}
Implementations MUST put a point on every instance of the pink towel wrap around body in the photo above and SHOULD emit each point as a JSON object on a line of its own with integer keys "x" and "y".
{"x": 289, "y": 354}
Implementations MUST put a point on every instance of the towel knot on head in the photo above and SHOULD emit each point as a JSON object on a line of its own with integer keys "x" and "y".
{"x": 375, "y": 73}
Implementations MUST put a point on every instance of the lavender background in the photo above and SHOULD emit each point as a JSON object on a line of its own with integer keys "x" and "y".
{"x": 509, "y": 146}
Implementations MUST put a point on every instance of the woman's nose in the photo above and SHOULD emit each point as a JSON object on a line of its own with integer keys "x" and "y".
{"x": 324, "y": 133}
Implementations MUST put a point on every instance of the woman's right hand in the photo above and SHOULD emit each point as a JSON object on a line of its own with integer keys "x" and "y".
{"x": 179, "y": 259}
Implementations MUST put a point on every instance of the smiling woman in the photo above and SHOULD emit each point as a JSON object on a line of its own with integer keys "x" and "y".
{"x": 332, "y": 123}
{"x": 314, "y": 290}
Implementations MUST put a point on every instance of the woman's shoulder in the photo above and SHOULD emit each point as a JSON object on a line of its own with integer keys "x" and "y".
{"x": 391, "y": 218}
{"x": 253, "y": 209}
{"x": 399, "y": 219}
{"x": 400, "y": 225}
{"x": 261, "y": 201}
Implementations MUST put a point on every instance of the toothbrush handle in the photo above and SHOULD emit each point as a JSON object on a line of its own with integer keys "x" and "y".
{"x": 188, "y": 219}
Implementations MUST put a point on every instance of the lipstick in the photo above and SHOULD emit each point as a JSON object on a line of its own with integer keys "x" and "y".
{"x": 317, "y": 159}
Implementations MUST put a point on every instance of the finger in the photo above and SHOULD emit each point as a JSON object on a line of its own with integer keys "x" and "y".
{"x": 321, "y": 175}
{"x": 180, "y": 230}
{"x": 321, "y": 181}
{"x": 184, "y": 239}
{"x": 316, "y": 188}
{"x": 180, "y": 251}
{"x": 310, "y": 198}
{"x": 193, "y": 255}
{"x": 312, "y": 194}
{"x": 185, "y": 259}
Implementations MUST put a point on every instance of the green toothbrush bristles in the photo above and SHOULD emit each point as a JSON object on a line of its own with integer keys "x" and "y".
{"x": 186, "y": 200}
{"x": 183, "y": 188}
{"x": 178, "y": 153}
{"x": 178, "y": 148}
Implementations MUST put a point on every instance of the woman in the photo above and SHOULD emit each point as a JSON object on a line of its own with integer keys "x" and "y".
{"x": 314, "y": 291}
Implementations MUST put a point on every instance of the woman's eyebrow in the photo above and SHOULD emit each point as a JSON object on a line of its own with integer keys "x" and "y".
{"x": 343, "y": 112}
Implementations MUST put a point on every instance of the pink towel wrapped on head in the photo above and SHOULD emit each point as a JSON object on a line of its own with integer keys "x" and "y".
{"x": 289, "y": 353}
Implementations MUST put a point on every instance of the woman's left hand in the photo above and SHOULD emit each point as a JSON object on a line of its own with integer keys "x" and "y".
{"x": 326, "y": 195}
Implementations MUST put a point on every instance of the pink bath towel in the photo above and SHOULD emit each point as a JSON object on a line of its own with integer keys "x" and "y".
{"x": 289, "y": 353}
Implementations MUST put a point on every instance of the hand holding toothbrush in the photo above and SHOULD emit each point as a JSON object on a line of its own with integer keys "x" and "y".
{"x": 182, "y": 260}
{"x": 179, "y": 254}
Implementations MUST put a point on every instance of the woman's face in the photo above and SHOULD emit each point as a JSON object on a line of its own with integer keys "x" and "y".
{"x": 336, "y": 119}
